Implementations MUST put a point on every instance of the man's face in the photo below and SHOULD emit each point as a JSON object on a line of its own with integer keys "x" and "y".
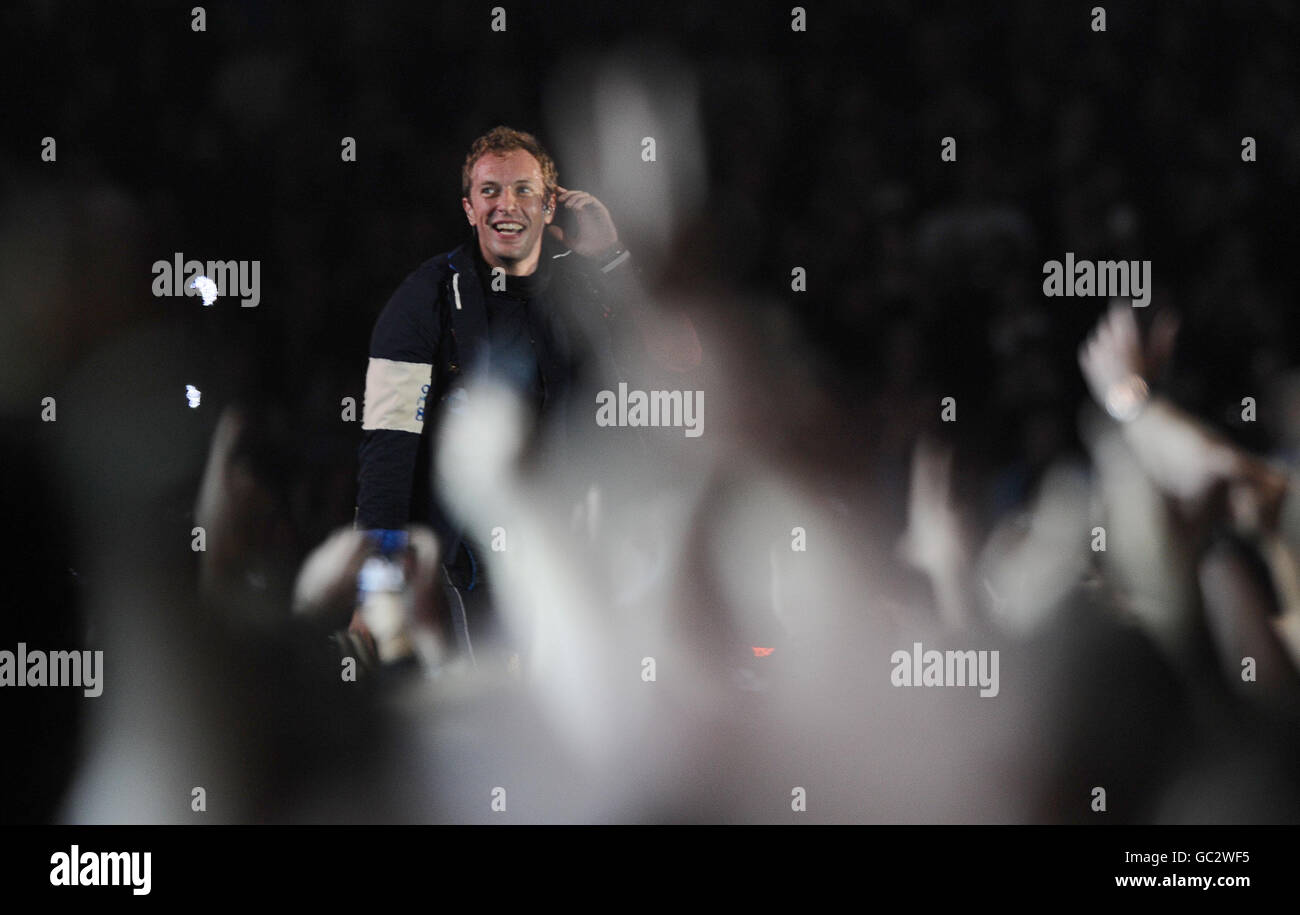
{"x": 505, "y": 208}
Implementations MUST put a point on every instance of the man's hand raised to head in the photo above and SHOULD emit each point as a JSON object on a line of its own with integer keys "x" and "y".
{"x": 592, "y": 233}
{"x": 670, "y": 339}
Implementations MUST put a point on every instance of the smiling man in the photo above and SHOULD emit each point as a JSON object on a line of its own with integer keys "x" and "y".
{"x": 508, "y": 202}
{"x": 510, "y": 197}
{"x": 525, "y": 300}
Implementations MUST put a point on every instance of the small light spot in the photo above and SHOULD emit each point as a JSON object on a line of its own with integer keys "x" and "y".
{"x": 206, "y": 288}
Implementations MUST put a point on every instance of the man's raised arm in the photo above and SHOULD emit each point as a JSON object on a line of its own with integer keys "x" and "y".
{"x": 669, "y": 340}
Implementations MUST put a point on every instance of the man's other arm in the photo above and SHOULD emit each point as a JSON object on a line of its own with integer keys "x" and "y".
{"x": 398, "y": 395}
{"x": 668, "y": 338}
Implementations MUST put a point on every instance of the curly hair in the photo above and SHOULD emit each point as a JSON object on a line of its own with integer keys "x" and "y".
{"x": 503, "y": 140}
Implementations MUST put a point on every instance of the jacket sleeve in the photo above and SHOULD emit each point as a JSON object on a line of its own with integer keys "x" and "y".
{"x": 399, "y": 376}
{"x": 669, "y": 339}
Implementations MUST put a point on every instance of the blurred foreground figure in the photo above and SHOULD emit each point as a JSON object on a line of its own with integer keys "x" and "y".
{"x": 714, "y": 633}
{"x": 1226, "y": 543}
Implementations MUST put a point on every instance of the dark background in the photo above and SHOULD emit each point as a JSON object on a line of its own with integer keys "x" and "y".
{"x": 822, "y": 148}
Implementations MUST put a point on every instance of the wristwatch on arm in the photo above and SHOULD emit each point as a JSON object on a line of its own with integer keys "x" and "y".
{"x": 1127, "y": 398}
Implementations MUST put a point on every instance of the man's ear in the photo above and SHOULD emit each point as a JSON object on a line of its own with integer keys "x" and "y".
{"x": 548, "y": 209}
{"x": 469, "y": 210}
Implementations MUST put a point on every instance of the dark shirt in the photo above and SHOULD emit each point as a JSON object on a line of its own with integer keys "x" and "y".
{"x": 545, "y": 333}
{"x": 516, "y": 318}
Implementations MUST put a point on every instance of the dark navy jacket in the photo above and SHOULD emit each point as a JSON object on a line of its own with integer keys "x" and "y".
{"x": 429, "y": 337}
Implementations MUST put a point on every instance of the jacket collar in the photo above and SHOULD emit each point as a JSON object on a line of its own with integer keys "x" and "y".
{"x": 461, "y": 258}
